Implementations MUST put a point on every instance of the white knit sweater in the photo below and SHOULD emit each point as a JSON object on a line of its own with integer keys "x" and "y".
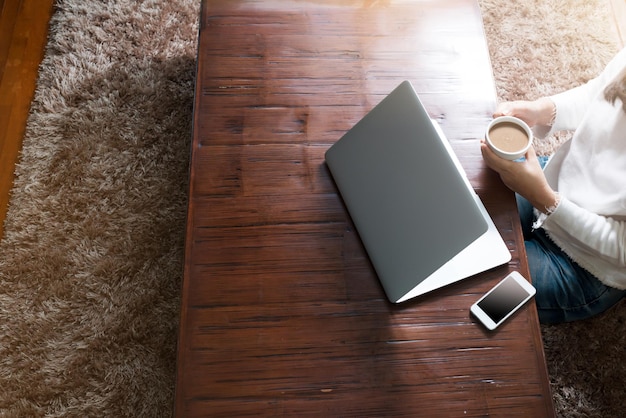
{"x": 589, "y": 172}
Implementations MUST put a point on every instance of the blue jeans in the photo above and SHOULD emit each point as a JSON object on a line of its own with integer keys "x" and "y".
{"x": 565, "y": 291}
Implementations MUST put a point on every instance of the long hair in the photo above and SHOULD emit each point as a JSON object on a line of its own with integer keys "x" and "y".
{"x": 617, "y": 90}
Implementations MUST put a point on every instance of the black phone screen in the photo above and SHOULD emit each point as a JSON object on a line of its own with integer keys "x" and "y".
{"x": 503, "y": 299}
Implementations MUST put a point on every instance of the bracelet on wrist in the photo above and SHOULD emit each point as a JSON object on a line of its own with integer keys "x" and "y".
{"x": 553, "y": 114}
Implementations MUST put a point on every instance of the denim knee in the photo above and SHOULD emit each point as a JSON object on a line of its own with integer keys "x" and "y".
{"x": 565, "y": 291}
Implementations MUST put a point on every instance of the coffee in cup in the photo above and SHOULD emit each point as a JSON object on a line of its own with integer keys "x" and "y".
{"x": 509, "y": 137}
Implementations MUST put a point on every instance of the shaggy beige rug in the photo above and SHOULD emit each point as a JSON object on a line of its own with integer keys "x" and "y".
{"x": 91, "y": 261}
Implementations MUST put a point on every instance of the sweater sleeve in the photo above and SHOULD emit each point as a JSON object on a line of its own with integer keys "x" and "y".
{"x": 593, "y": 240}
{"x": 571, "y": 105}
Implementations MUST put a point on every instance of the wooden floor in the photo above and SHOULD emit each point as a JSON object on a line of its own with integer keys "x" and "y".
{"x": 619, "y": 14}
{"x": 23, "y": 35}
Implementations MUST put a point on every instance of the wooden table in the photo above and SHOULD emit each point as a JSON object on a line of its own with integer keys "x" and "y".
{"x": 282, "y": 314}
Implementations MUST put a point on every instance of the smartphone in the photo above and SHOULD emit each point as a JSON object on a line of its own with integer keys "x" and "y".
{"x": 503, "y": 300}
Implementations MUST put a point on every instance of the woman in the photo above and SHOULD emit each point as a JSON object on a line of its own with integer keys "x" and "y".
{"x": 573, "y": 212}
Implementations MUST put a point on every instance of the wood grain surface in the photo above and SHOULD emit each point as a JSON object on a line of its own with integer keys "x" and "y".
{"x": 23, "y": 36}
{"x": 282, "y": 313}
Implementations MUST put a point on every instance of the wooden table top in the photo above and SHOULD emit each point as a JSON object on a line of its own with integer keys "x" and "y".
{"x": 282, "y": 313}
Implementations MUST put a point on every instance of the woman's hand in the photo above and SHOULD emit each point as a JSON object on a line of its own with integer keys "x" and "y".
{"x": 539, "y": 112}
{"x": 523, "y": 177}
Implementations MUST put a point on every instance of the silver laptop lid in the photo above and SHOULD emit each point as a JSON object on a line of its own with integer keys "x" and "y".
{"x": 410, "y": 204}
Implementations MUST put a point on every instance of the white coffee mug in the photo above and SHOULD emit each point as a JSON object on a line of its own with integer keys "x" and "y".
{"x": 509, "y": 137}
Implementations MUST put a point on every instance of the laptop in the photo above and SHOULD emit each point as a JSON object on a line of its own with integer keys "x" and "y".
{"x": 420, "y": 221}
